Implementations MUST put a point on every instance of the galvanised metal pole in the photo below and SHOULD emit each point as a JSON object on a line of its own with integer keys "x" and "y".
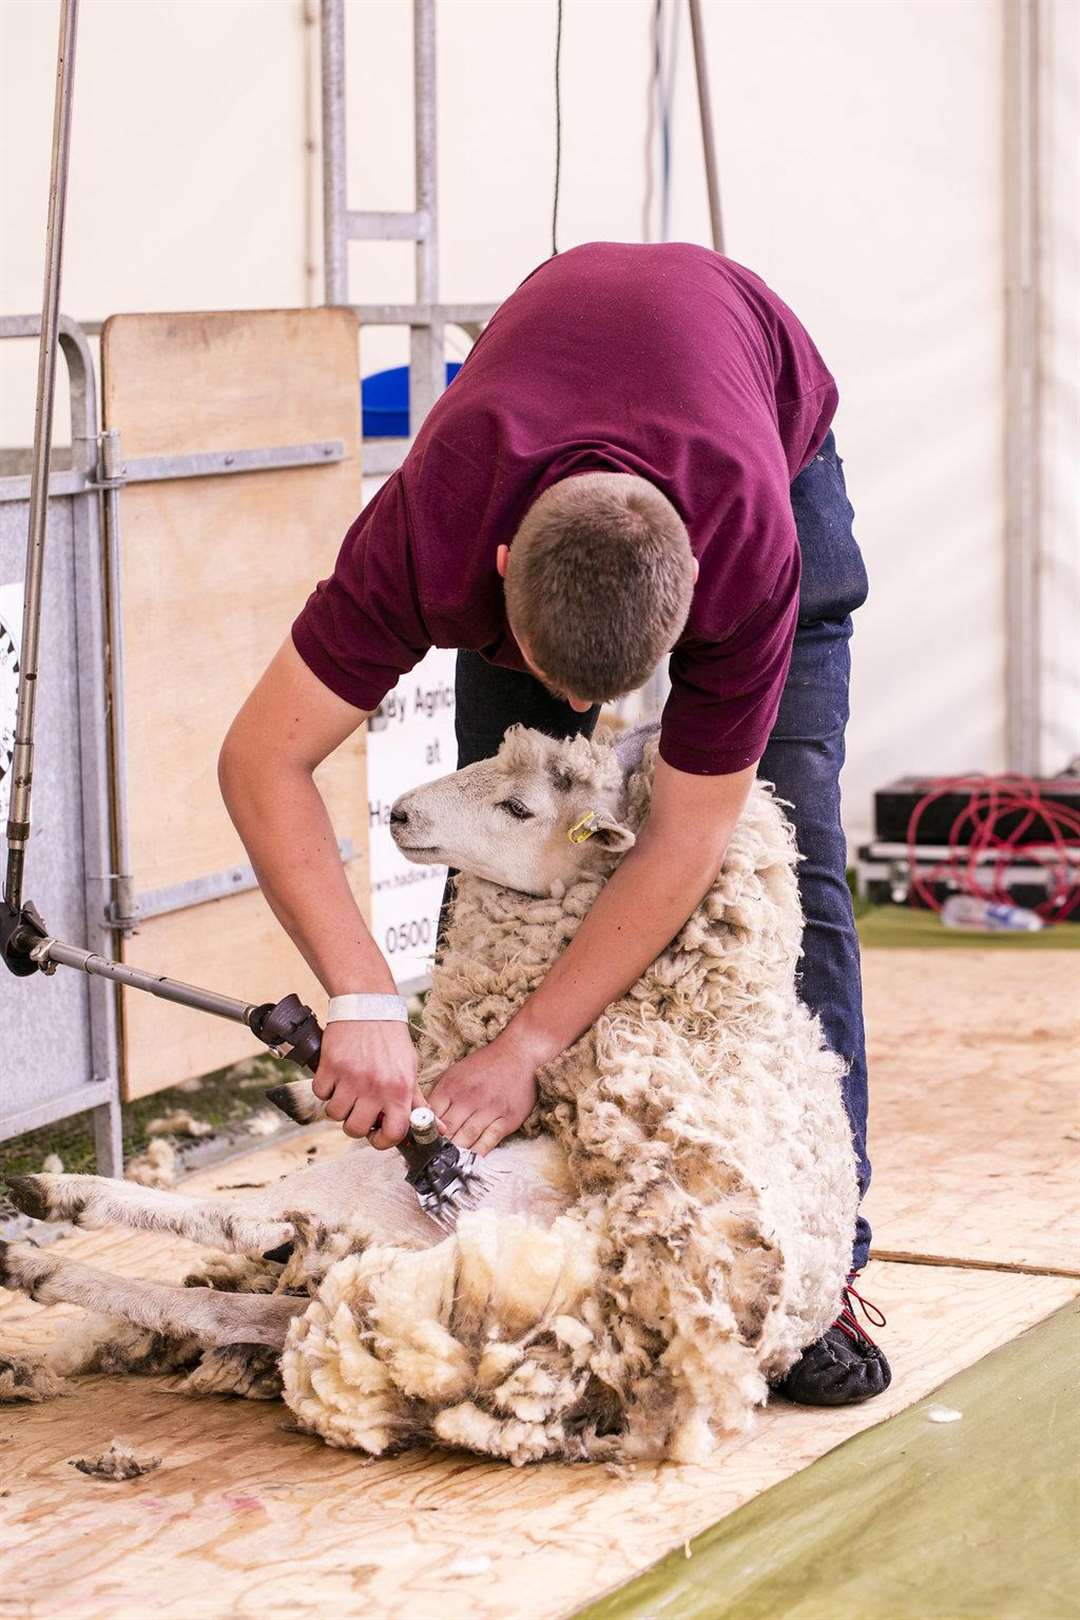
{"x": 335, "y": 243}
{"x": 18, "y": 827}
{"x": 427, "y": 374}
{"x": 1023, "y": 575}
{"x": 708, "y": 144}
{"x": 424, "y": 122}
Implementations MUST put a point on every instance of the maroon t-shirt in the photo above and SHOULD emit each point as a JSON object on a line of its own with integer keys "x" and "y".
{"x": 664, "y": 360}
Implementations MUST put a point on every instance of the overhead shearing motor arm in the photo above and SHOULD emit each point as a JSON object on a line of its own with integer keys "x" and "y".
{"x": 22, "y": 765}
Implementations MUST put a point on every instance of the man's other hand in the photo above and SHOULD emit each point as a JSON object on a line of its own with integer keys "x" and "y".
{"x": 485, "y": 1097}
{"x": 367, "y": 1074}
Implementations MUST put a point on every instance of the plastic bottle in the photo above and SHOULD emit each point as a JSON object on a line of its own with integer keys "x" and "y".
{"x": 977, "y": 916}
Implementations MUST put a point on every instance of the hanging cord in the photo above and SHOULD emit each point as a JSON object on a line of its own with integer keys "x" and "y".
{"x": 558, "y": 128}
{"x": 978, "y": 829}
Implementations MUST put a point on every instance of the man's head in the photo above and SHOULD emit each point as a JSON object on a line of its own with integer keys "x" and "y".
{"x": 598, "y": 584}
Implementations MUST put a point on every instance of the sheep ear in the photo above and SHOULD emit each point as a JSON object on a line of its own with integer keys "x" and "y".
{"x": 611, "y": 833}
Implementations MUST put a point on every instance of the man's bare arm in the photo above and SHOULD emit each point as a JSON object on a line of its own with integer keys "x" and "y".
{"x": 648, "y": 899}
{"x": 286, "y": 728}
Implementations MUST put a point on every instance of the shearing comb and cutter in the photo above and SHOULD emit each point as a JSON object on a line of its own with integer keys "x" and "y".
{"x": 446, "y": 1179}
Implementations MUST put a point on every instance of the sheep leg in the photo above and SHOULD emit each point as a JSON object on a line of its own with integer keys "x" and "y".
{"x": 99, "y": 1201}
{"x": 297, "y": 1102}
{"x": 211, "y": 1317}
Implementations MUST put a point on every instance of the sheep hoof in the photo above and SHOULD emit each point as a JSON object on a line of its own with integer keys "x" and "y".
{"x": 28, "y": 1195}
{"x": 296, "y": 1102}
{"x": 281, "y": 1097}
{"x": 22, "y": 1267}
{"x": 282, "y": 1253}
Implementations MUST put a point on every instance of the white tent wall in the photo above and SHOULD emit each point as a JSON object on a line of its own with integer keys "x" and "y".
{"x": 861, "y": 169}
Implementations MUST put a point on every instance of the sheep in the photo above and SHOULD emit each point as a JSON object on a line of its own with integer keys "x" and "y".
{"x": 670, "y": 1229}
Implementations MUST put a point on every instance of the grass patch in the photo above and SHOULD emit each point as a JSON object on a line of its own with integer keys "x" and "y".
{"x": 883, "y": 926}
{"x": 889, "y": 927}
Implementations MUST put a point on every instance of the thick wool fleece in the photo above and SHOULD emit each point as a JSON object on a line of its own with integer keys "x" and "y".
{"x": 716, "y": 1197}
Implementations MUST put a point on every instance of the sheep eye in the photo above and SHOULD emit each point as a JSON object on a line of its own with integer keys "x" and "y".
{"x": 515, "y": 808}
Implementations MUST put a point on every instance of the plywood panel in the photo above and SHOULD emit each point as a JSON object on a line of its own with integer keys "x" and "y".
{"x": 269, "y": 1520}
{"x": 213, "y": 572}
{"x": 234, "y": 945}
{"x": 975, "y": 1104}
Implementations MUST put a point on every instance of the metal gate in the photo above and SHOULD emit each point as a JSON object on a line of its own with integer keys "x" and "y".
{"x": 58, "y": 1037}
{"x": 66, "y": 1045}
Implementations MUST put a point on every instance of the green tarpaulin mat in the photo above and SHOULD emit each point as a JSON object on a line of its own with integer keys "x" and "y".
{"x": 977, "y": 1518}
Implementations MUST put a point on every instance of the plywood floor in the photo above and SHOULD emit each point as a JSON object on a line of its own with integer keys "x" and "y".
{"x": 975, "y": 1105}
{"x": 245, "y": 1519}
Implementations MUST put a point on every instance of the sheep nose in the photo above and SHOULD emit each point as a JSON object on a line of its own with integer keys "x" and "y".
{"x": 399, "y": 818}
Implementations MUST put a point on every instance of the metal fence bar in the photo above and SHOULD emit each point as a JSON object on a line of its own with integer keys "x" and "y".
{"x": 121, "y": 890}
{"x": 60, "y": 483}
{"x": 217, "y": 463}
{"x": 424, "y": 314}
{"x": 199, "y": 464}
{"x": 427, "y": 363}
{"x": 389, "y": 226}
{"x": 196, "y": 891}
{"x": 708, "y": 139}
{"x": 72, "y": 338}
{"x": 424, "y": 153}
{"x": 414, "y": 314}
{"x": 95, "y": 1095}
{"x": 335, "y": 244}
{"x": 91, "y": 640}
{"x": 384, "y": 456}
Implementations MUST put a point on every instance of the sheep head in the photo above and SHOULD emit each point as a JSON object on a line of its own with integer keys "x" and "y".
{"x": 533, "y": 818}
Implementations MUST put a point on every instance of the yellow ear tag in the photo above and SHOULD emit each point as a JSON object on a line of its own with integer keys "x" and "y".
{"x": 583, "y": 829}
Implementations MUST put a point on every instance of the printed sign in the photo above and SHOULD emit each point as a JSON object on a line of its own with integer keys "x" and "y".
{"x": 11, "y": 610}
{"x": 410, "y": 741}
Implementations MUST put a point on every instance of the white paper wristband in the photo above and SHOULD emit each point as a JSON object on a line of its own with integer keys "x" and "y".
{"x": 367, "y": 1009}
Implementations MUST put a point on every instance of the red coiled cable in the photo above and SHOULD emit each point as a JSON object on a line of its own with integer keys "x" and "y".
{"x": 974, "y": 833}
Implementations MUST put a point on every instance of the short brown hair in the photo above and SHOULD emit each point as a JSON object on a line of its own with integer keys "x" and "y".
{"x": 599, "y": 583}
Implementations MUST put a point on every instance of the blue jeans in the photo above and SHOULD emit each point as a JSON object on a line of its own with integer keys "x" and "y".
{"x": 804, "y": 757}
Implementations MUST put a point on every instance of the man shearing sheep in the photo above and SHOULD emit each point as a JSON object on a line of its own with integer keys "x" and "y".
{"x": 635, "y": 460}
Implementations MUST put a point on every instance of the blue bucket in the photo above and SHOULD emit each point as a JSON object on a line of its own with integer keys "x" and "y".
{"x": 384, "y": 397}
